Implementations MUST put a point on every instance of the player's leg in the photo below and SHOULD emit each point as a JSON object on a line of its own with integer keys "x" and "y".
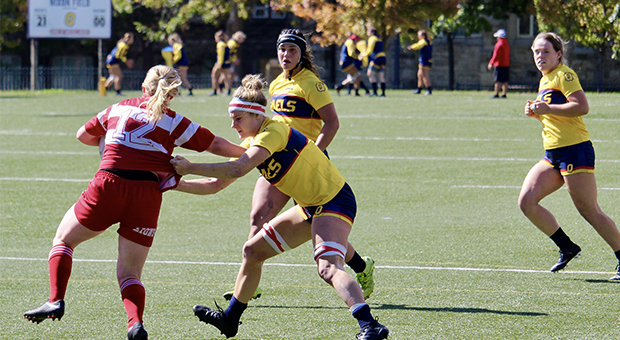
{"x": 541, "y": 181}
{"x": 70, "y": 234}
{"x": 131, "y": 259}
{"x": 330, "y": 237}
{"x": 287, "y": 231}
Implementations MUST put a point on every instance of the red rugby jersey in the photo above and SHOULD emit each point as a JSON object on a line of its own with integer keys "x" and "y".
{"x": 132, "y": 142}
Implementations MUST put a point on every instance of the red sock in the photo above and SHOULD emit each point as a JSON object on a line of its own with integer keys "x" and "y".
{"x": 133, "y": 294}
{"x": 60, "y": 261}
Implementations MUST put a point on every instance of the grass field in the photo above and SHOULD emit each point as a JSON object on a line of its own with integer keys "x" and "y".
{"x": 436, "y": 179}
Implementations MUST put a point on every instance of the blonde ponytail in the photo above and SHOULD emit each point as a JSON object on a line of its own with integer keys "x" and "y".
{"x": 251, "y": 89}
{"x": 162, "y": 84}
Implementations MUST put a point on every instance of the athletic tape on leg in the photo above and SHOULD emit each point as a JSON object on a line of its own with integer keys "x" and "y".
{"x": 329, "y": 248}
{"x": 275, "y": 240}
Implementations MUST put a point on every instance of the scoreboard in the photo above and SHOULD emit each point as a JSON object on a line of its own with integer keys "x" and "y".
{"x": 83, "y": 19}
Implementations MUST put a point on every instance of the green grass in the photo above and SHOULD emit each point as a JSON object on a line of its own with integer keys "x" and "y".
{"x": 436, "y": 179}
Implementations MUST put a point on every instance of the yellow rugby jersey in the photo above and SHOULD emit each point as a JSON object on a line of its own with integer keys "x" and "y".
{"x": 233, "y": 46}
{"x": 295, "y": 102}
{"x": 296, "y": 166}
{"x": 555, "y": 88}
{"x": 223, "y": 53}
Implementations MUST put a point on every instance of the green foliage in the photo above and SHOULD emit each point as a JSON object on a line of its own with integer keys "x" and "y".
{"x": 354, "y": 16}
{"x": 593, "y": 23}
{"x": 156, "y": 19}
{"x": 13, "y": 17}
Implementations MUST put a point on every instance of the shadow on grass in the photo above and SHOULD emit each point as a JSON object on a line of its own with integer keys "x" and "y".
{"x": 421, "y": 309}
{"x": 456, "y": 310}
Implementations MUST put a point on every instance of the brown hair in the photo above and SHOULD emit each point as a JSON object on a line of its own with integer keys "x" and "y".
{"x": 162, "y": 84}
{"x": 174, "y": 38}
{"x": 251, "y": 89}
{"x": 307, "y": 58}
{"x": 559, "y": 45}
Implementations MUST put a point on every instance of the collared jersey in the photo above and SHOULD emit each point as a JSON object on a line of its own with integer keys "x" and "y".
{"x": 167, "y": 53}
{"x": 295, "y": 102}
{"x": 349, "y": 51}
{"x": 296, "y": 166}
{"x": 132, "y": 142}
{"x": 233, "y": 46}
{"x": 362, "y": 45}
{"x": 426, "y": 51}
{"x": 179, "y": 56}
{"x": 118, "y": 53}
{"x": 555, "y": 88}
{"x": 374, "y": 48}
{"x": 223, "y": 53}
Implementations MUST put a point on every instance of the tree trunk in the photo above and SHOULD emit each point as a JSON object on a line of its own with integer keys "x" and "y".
{"x": 450, "y": 39}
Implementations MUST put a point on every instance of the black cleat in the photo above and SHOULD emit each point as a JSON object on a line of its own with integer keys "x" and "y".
{"x": 617, "y": 276}
{"x": 417, "y": 91}
{"x": 137, "y": 332}
{"x": 374, "y": 331}
{"x": 216, "y": 318}
{"x": 49, "y": 310}
{"x": 565, "y": 257}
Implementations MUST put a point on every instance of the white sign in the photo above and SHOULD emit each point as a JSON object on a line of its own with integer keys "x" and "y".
{"x": 70, "y": 19}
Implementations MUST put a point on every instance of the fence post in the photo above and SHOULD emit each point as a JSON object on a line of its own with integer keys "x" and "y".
{"x": 34, "y": 64}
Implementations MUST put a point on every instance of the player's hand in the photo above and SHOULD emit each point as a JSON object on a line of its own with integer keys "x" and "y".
{"x": 129, "y": 63}
{"x": 181, "y": 165}
{"x": 538, "y": 107}
{"x": 528, "y": 109}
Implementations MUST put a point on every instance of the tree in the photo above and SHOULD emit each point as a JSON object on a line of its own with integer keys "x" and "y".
{"x": 156, "y": 19}
{"x": 472, "y": 16}
{"x": 335, "y": 20}
{"x": 593, "y": 23}
{"x": 13, "y": 17}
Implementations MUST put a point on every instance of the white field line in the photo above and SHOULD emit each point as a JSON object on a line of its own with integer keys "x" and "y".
{"x": 202, "y": 263}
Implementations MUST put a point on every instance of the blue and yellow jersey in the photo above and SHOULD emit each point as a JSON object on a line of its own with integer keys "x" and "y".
{"x": 233, "y": 46}
{"x": 374, "y": 48}
{"x": 295, "y": 102}
{"x": 167, "y": 54}
{"x": 296, "y": 166}
{"x": 426, "y": 52}
{"x": 179, "y": 56}
{"x": 348, "y": 51}
{"x": 362, "y": 46}
{"x": 223, "y": 54}
{"x": 118, "y": 53}
{"x": 555, "y": 88}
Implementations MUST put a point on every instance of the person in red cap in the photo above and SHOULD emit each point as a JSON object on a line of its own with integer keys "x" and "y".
{"x": 501, "y": 61}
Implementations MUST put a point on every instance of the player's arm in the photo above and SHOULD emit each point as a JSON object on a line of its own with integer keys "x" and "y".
{"x": 370, "y": 47}
{"x": 223, "y": 147}
{"x": 254, "y": 156}
{"x": 203, "y": 186}
{"x": 418, "y": 45}
{"x": 576, "y": 106}
{"x": 86, "y": 137}
{"x": 331, "y": 124}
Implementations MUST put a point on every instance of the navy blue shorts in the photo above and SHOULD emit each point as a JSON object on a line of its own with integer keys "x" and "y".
{"x": 571, "y": 159}
{"x": 343, "y": 206}
{"x": 501, "y": 74}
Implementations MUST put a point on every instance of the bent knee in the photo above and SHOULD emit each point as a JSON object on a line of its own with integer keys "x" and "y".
{"x": 252, "y": 252}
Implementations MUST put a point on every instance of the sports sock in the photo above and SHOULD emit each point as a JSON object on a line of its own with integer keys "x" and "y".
{"x": 374, "y": 88}
{"x": 430, "y": 89}
{"x": 382, "y": 88}
{"x": 190, "y": 90}
{"x": 562, "y": 240}
{"x": 363, "y": 86}
{"x": 235, "y": 309}
{"x": 357, "y": 263}
{"x": 350, "y": 88}
{"x": 60, "y": 262}
{"x": 361, "y": 312}
{"x": 133, "y": 294}
{"x": 617, "y": 254}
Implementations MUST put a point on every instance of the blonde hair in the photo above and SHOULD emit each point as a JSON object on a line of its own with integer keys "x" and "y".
{"x": 251, "y": 89}
{"x": 162, "y": 84}
{"x": 559, "y": 45}
{"x": 126, "y": 37}
{"x": 175, "y": 38}
{"x": 238, "y": 36}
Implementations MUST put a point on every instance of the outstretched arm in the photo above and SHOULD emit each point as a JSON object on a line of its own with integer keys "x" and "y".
{"x": 203, "y": 186}
{"x": 254, "y": 156}
{"x": 223, "y": 147}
